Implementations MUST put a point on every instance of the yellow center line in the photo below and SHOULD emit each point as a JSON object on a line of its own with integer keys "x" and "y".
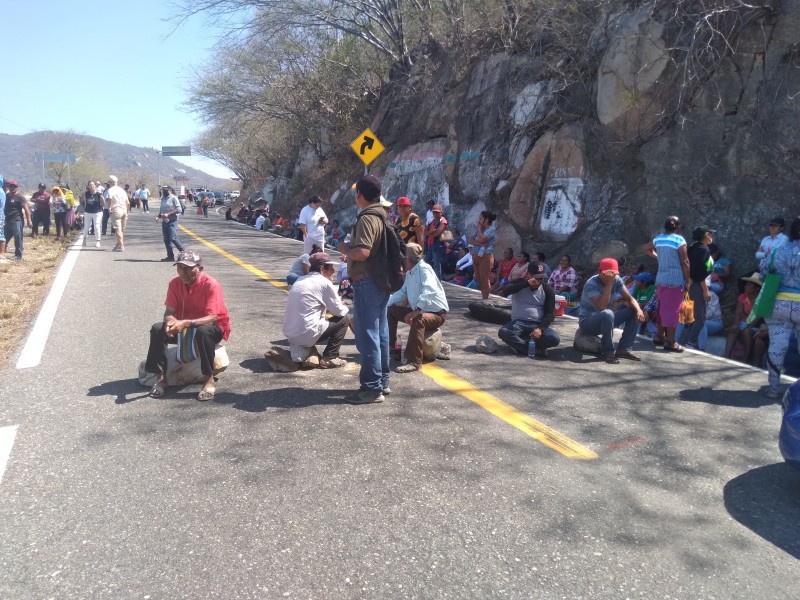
{"x": 528, "y": 425}
{"x": 255, "y": 271}
{"x": 537, "y": 430}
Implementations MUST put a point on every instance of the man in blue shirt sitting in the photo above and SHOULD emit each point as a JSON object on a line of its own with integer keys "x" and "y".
{"x": 595, "y": 316}
{"x": 426, "y": 310}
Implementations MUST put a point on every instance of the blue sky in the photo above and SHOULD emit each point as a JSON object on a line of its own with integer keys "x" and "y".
{"x": 115, "y": 70}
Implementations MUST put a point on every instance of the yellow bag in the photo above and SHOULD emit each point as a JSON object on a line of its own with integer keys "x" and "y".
{"x": 687, "y": 310}
{"x": 70, "y": 198}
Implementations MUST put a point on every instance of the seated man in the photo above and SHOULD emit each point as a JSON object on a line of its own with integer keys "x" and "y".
{"x": 301, "y": 266}
{"x": 426, "y": 310}
{"x": 533, "y": 305}
{"x": 196, "y": 307}
{"x": 304, "y": 323}
{"x": 596, "y": 317}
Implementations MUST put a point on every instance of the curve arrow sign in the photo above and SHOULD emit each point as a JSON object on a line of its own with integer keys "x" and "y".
{"x": 367, "y": 144}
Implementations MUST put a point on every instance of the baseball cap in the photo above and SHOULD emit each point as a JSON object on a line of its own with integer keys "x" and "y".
{"x": 190, "y": 258}
{"x": 370, "y": 187}
{"x": 318, "y": 259}
{"x": 403, "y": 201}
{"x": 644, "y": 277}
{"x": 42, "y": 186}
{"x": 609, "y": 264}
{"x": 778, "y": 221}
{"x": 385, "y": 203}
{"x": 700, "y": 232}
{"x": 536, "y": 269}
{"x": 413, "y": 251}
{"x": 437, "y": 208}
{"x": 113, "y": 179}
{"x": 12, "y": 183}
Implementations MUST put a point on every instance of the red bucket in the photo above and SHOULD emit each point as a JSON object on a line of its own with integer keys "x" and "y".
{"x": 561, "y": 303}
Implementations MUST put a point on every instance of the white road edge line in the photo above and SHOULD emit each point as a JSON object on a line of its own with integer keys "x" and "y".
{"x": 31, "y": 354}
{"x": 7, "y": 435}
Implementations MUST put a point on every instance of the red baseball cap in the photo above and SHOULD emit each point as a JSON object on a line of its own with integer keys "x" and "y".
{"x": 609, "y": 264}
{"x": 12, "y": 183}
{"x": 403, "y": 201}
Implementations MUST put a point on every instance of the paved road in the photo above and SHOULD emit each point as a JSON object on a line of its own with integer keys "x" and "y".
{"x": 453, "y": 488}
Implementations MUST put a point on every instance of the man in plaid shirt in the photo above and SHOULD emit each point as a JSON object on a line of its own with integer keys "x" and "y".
{"x": 564, "y": 280}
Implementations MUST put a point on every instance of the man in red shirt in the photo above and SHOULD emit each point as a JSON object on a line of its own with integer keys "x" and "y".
{"x": 41, "y": 212}
{"x": 195, "y": 307}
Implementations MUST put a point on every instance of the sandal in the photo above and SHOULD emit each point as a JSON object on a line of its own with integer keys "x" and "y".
{"x": 157, "y": 391}
{"x": 206, "y": 394}
{"x": 658, "y": 341}
{"x": 673, "y": 347}
{"x": 407, "y": 368}
{"x": 331, "y": 363}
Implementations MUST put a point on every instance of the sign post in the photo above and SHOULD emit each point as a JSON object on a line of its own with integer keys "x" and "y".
{"x": 56, "y": 157}
{"x": 367, "y": 146}
{"x": 171, "y": 151}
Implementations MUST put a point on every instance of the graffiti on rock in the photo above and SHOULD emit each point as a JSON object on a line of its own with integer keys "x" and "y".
{"x": 561, "y": 207}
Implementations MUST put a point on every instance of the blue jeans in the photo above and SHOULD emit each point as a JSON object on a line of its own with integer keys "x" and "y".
{"x": 437, "y": 255}
{"x": 603, "y": 323}
{"x": 170, "y": 231}
{"x": 691, "y": 334}
{"x": 517, "y": 333}
{"x": 710, "y": 327}
{"x": 371, "y": 327}
{"x": 14, "y": 229}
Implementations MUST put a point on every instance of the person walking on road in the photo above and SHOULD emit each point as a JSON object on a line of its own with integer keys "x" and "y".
{"x": 312, "y": 223}
{"x": 93, "y": 204}
{"x": 195, "y": 307}
{"x": 118, "y": 208}
{"x": 16, "y": 209}
{"x": 168, "y": 215}
{"x": 144, "y": 198}
{"x": 364, "y": 255}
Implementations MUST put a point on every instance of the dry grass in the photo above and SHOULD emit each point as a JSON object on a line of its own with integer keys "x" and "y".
{"x": 24, "y": 284}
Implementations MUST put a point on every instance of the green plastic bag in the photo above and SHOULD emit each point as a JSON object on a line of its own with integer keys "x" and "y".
{"x": 762, "y": 307}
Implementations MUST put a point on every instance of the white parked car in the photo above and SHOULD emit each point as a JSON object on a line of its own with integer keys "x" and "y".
{"x": 235, "y": 194}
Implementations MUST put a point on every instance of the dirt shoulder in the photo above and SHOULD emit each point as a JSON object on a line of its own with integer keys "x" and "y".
{"x": 24, "y": 284}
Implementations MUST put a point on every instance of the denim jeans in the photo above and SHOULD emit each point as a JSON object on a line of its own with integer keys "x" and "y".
{"x": 710, "y": 327}
{"x": 691, "y": 333}
{"x": 603, "y": 323}
{"x": 437, "y": 254}
{"x": 14, "y": 230}
{"x": 170, "y": 231}
{"x": 371, "y": 327}
{"x": 517, "y": 333}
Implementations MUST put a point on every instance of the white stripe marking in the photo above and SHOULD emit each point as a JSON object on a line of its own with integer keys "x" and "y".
{"x": 34, "y": 347}
{"x": 7, "y": 435}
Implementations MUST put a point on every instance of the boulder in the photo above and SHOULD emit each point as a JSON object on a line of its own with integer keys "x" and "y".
{"x": 179, "y": 373}
{"x": 432, "y": 344}
{"x": 587, "y": 344}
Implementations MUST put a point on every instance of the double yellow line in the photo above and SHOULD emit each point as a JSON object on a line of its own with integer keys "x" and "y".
{"x": 535, "y": 429}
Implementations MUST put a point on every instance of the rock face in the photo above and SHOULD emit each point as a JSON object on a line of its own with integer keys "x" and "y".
{"x": 594, "y": 173}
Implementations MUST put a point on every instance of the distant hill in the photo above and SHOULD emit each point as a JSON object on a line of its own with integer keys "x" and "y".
{"x": 97, "y": 158}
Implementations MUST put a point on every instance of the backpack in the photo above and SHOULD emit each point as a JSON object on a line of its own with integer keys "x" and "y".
{"x": 385, "y": 265}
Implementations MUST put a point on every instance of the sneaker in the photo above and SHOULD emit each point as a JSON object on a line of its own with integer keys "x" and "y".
{"x": 611, "y": 359}
{"x": 168, "y": 259}
{"x": 774, "y": 394}
{"x": 627, "y": 354}
{"x": 97, "y": 244}
{"x": 118, "y": 249}
{"x": 365, "y": 397}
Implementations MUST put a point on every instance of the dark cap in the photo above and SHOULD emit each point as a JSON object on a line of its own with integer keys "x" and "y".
{"x": 42, "y": 186}
{"x": 430, "y": 202}
{"x": 318, "y": 259}
{"x": 190, "y": 258}
{"x": 778, "y": 221}
{"x": 315, "y": 200}
{"x": 369, "y": 186}
{"x": 700, "y": 232}
{"x": 536, "y": 269}
{"x": 672, "y": 224}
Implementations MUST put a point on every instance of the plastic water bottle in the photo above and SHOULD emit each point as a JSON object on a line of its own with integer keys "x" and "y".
{"x": 531, "y": 348}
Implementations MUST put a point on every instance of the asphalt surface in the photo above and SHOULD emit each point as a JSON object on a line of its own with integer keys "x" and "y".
{"x": 277, "y": 489}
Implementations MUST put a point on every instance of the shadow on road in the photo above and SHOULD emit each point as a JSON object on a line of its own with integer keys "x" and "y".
{"x": 738, "y": 398}
{"x": 287, "y": 398}
{"x": 766, "y": 500}
{"x": 125, "y": 390}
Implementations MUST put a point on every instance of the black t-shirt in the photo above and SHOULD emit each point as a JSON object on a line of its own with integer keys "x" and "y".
{"x": 93, "y": 202}
{"x": 700, "y": 262}
{"x": 13, "y": 210}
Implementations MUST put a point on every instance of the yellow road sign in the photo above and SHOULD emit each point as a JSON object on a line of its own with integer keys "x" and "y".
{"x": 367, "y": 146}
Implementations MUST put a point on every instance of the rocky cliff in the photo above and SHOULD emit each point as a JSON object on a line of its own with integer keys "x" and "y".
{"x": 659, "y": 113}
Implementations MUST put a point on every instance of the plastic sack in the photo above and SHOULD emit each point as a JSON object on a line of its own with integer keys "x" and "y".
{"x": 485, "y": 345}
{"x": 686, "y": 315}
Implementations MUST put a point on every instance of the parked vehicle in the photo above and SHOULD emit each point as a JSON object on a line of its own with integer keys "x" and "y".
{"x": 235, "y": 194}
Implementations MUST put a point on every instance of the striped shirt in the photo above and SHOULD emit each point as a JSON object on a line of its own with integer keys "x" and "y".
{"x": 670, "y": 270}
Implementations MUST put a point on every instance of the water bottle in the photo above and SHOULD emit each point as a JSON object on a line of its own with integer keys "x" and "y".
{"x": 531, "y": 348}
{"x": 398, "y": 348}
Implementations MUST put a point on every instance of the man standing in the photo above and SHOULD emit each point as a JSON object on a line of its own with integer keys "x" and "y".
{"x": 595, "y": 316}
{"x": 311, "y": 296}
{"x": 2, "y": 220}
{"x": 41, "y": 211}
{"x": 195, "y": 306}
{"x": 365, "y": 255}
{"x": 312, "y": 223}
{"x": 144, "y": 197}
{"x": 426, "y": 311}
{"x": 533, "y": 304}
{"x": 16, "y": 208}
{"x": 118, "y": 207}
{"x": 409, "y": 225}
{"x": 700, "y": 267}
{"x": 168, "y": 215}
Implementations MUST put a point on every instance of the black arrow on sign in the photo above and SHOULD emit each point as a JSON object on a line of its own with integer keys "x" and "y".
{"x": 367, "y": 145}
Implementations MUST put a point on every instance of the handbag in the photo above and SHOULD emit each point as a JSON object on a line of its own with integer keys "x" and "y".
{"x": 446, "y": 236}
{"x": 765, "y": 300}
{"x": 686, "y": 315}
